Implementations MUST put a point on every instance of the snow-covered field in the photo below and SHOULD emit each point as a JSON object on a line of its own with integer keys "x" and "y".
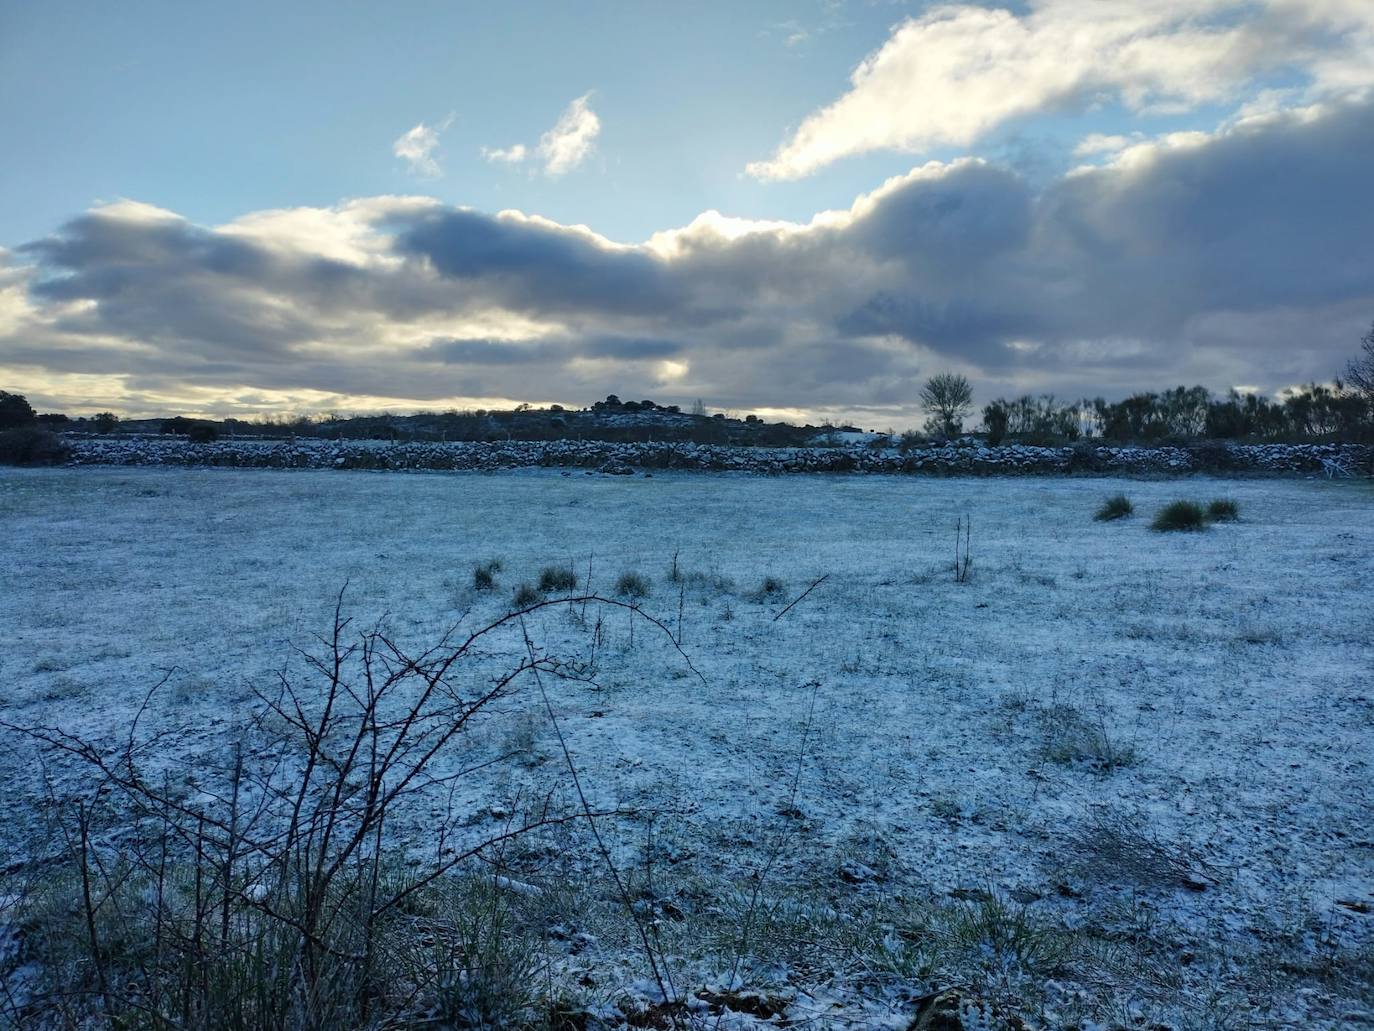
{"x": 1157, "y": 749}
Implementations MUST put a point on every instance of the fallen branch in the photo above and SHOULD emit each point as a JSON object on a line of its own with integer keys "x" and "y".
{"x": 799, "y": 597}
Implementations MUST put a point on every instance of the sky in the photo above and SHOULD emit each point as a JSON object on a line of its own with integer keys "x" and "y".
{"x": 801, "y": 209}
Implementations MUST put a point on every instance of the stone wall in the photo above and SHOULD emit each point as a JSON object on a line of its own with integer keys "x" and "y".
{"x": 956, "y": 458}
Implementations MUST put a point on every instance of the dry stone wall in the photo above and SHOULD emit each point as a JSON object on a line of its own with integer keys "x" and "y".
{"x": 960, "y": 458}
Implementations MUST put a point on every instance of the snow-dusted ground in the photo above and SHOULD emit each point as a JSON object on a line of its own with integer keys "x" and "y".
{"x": 1161, "y": 742}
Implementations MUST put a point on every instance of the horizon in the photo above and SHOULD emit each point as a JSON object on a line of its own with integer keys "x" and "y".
{"x": 799, "y": 211}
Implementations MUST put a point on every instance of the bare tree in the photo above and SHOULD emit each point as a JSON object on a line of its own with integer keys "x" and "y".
{"x": 948, "y": 396}
{"x": 1360, "y": 371}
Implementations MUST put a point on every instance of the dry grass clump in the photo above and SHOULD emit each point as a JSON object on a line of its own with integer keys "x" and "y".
{"x": 770, "y": 588}
{"x": 1071, "y": 736}
{"x": 1223, "y": 510}
{"x": 555, "y": 579}
{"x": 632, "y": 585}
{"x": 527, "y": 595}
{"x": 1114, "y": 847}
{"x": 484, "y": 575}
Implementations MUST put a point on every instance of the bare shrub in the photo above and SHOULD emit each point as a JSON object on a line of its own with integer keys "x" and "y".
{"x": 29, "y": 445}
{"x": 267, "y": 893}
{"x": 963, "y": 558}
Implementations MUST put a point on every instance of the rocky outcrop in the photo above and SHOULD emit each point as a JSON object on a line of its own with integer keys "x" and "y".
{"x": 960, "y": 458}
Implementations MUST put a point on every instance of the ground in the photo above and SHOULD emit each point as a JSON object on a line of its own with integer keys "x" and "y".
{"x": 1152, "y": 749}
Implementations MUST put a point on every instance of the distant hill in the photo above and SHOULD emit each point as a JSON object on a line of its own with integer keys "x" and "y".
{"x": 609, "y": 420}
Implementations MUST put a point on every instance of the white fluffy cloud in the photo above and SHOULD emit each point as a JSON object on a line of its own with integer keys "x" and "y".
{"x": 568, "y": 143}
{"x": 563, "y": 147}
{"x": 416, "y": 148}
{"x": 959, "y": 71}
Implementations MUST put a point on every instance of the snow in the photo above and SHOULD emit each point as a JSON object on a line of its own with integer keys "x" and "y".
{"x": 854, "y": 452}
{"x": 1210, "y": 693}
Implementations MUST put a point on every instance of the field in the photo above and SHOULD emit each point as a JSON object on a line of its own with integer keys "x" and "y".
{"x": 1116, "y": 776}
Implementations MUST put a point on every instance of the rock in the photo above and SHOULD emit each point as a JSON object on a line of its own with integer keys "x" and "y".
{"x": 854, "y": 872}
{"x": 1195, "y": 882}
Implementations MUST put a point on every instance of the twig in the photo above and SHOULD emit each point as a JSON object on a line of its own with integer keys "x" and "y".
{"x": 799, "y": 597}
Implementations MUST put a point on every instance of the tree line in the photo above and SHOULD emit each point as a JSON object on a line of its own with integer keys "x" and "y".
{"x": 1342, "y": 411}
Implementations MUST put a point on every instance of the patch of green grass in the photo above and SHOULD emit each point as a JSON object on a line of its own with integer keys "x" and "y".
{"x": 1180, "y": 515}
{"x": 1118, "y": 506}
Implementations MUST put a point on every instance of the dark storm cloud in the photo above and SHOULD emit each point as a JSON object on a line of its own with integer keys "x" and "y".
{"x": 1268, "y": 216}
{"x": 537, "y": 267}
{"x": 951, "y": 224}
{"x": 488, "y": 352}
{"x": 632, "y": 349}
{"x": 969, "y": 326}
{"x": 1241, "y": 258}
{"x": 507, "y": 352}
{"x": 167, "y": 282}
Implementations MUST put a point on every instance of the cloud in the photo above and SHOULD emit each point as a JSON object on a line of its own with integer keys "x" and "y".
{"x": 956, "y": 73}
{"x": 1101, "y": 143}
{"x": 1239, "y": 256}
{"x": 512, "y": 155}
{"x": 568, "y": 143}
{"x": 416, "y": 148}
{"x": 553, "y": 351}
{"x": 562, "y": 148}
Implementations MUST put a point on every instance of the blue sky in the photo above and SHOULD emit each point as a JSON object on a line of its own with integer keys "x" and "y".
{"x": 181, "y": 180}
{"x": 214, "y": 110}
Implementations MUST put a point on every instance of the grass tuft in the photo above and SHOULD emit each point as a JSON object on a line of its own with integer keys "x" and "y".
{"x": 632, "y": 585}
{"x": 771, "y": 587}
{"x": 484, "y": 576}
{"x": 1179, "y": 515}
{"x": 1223, "y": 510}
{"x": 553, "y": 579}
{"x": 1071, "y": 736}
{"x": 527, "y": 595}
{"x": 1118, "y": 506}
